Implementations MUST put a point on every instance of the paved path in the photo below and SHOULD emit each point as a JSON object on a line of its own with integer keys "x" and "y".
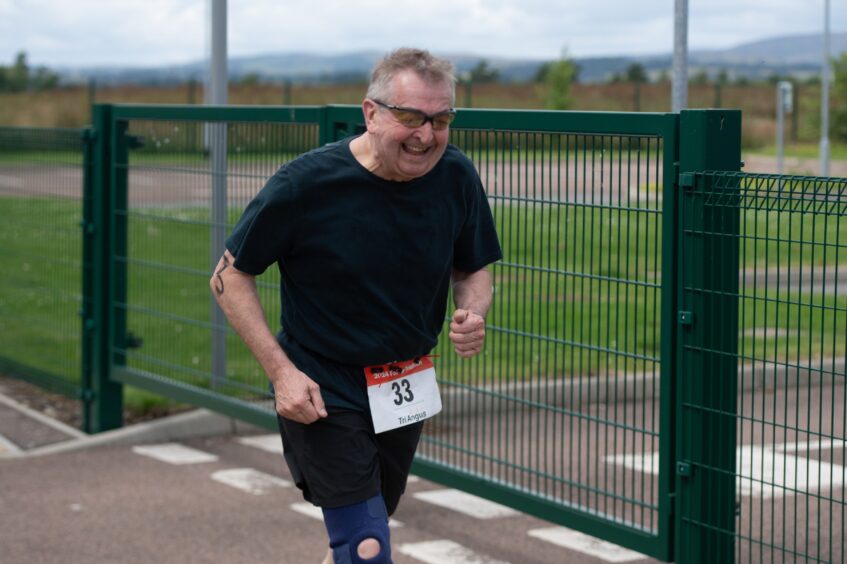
{"x": 228, "y": 498}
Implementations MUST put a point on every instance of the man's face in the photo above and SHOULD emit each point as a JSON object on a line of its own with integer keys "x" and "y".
{"x": 404, "y": 153}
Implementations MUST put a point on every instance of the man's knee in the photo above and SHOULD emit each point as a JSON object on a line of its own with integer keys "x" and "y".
{"x": 368, "y": 548}
{"x": 358, "y": 533}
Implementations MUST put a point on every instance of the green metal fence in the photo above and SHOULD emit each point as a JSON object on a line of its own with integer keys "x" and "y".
{"x": 573, "y": 368}
{"x": 664, "y": 366}
{"x": 41, "y": 192}
{"x": 767, "y": 484}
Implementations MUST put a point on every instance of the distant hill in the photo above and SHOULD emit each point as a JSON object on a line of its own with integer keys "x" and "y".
{"x": 797, "y": 55}
{"x": 794, "y": 50}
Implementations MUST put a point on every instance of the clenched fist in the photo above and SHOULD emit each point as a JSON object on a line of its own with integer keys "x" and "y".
{"x": 467, "y": 332}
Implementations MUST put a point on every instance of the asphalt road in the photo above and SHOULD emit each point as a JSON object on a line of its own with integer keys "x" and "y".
{"x": 117, "y": 503}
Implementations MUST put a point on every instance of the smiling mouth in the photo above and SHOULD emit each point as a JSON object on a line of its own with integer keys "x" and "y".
{"x": 415, "y": 150}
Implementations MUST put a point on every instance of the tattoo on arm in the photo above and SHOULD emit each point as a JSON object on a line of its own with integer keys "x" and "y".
{"x": 224, "y": 266}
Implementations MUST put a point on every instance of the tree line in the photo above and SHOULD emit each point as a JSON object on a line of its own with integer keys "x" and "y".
{"x": 19, "y": 77}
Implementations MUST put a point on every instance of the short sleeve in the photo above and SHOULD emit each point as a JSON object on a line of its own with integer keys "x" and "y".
{"x": 264, "y": 234}
{"x": 477, "y": 244}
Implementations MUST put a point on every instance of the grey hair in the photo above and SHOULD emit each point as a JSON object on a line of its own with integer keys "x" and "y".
{"x": 430, "y": 68}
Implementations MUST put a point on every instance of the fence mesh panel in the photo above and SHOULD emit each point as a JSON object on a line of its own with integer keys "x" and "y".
{"x": 567, "y": 387}
{"x": 173, "y": 218}
{"x": 41, "y": 191}
{"x": 792, "y": 335}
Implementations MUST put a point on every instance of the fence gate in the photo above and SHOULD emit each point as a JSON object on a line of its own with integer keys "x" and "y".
{"x": 568, "y": 414}
{"x": 569, "y": 387}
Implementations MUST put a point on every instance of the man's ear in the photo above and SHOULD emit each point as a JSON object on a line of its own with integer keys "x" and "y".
{"x": 369, "y": 109}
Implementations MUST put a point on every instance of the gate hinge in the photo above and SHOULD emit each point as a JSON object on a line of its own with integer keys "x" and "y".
{"x": 133, "y": 341}
{"x": 135, "y": 141}
{"x": 686, "y": 318}
{"x": 88, "y": 227}
{"x": 686, "y": 180}
{"x": 683, "y": 469}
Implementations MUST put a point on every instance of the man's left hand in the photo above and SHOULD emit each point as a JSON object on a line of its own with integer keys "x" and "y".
{"x": 467, "y": 331}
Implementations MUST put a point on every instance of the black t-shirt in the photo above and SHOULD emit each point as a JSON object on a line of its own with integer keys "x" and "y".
{"x": 365, "y": 262}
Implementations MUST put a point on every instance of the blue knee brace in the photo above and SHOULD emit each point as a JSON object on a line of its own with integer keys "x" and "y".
{"x": 349, "y": 525}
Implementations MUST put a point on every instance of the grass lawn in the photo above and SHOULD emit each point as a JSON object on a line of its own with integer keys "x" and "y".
{"x": 576, "y": 294}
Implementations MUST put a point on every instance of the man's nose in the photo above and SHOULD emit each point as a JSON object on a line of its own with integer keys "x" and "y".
{"x": 425, "y": 132}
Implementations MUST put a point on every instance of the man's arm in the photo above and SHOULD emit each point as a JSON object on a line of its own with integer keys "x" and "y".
{"x": 472, "y": 296}
{"x": 298, "y": 397}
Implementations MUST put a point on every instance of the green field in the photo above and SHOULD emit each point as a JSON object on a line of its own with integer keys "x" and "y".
{"x": 576, "y": 293}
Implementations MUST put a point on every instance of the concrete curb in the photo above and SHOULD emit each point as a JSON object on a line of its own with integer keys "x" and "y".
{"x": 41, "y": 418}
{"x": 197, "y": 423}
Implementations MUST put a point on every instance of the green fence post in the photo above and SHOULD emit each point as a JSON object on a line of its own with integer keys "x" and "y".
{"x": 710, "y": 140}
{"x": 117, "y": 253}
{"x": 88, "y": 225}
{"x": 103, "y": 398}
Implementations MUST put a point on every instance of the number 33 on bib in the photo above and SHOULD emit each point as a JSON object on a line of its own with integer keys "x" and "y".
{"x": 402, "y": 393}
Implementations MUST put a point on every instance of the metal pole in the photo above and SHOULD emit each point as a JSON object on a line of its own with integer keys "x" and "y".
{"x": 825, "y": 94}
{"x": 217, "y": 144}
{"x": 217, "y": 94}
{"x": 679, "y": 88}
{"x": 784, "y": 105}
{"x": 780, "y": 127}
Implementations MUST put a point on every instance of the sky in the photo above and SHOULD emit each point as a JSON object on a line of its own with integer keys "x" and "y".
{"x": 84, "y": 33}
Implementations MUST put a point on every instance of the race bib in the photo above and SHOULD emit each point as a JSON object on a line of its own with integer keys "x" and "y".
{"x": 402, "y": 393}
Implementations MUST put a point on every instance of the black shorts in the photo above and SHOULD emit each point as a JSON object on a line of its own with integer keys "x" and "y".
{"x": 339, "y": 460}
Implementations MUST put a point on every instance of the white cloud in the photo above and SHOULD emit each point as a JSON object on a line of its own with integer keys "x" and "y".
{"x": 154, "y": 32}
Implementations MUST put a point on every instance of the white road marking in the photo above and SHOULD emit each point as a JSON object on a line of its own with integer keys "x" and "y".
{"x": 825, "y": 444}
{"x": 765, "y": 471}
{"x": 307, "y": 509}
{"x": 315, "y": 512}
{"x": 413, "y": 480}
{"x": 250, "y": 480}
{"x": 270, "y": 443}
{"x": 573, "y": 540}
{"x": 445, "y": 552}
{"x": 174, "y": 453}
{"x": 465, "y": 503}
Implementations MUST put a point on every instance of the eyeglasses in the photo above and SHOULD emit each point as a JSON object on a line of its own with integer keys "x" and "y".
{"x": 411, "y": 117}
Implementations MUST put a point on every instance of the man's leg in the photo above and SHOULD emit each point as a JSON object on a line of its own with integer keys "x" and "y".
{"x": 358, "y": 533}
{"x": 396, "y": 452}
{"x": 340, "y": 464}
{"x": 335, "y": 462}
